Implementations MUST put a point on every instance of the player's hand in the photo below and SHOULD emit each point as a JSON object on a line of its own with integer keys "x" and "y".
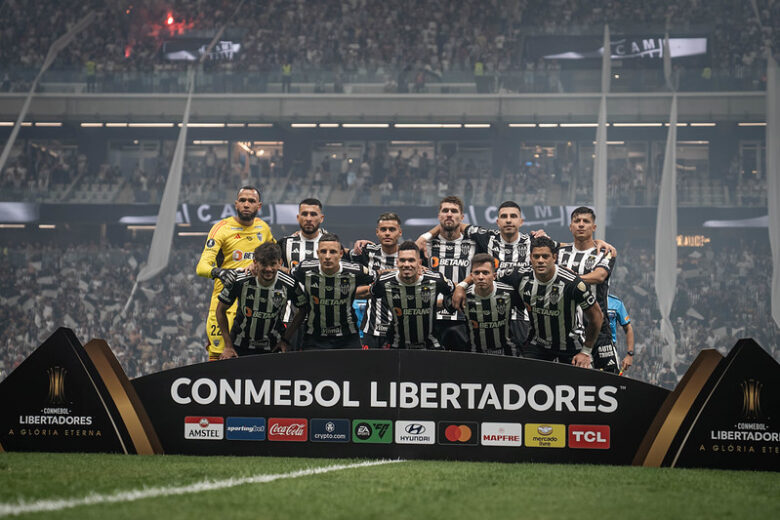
{"x": 581, "y": 360}
{"x": 627, "y": 361}
{"x": 226, "y": 276}
{"x": 228, "y": 352}
{"x": 458, "y": 297}
{"x": 538, "y": 233}
{"x": 254, "y": 269}
{"x": 604, "y": 246}
{"x": 359, "y": 245}
{"x": 421, "y": 243}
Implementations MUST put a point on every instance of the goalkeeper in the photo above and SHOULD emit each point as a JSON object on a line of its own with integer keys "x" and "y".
{"x": 229, "y": 248}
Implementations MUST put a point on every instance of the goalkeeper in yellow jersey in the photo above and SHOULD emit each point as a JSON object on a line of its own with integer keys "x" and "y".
{"x": 230, "y": 247}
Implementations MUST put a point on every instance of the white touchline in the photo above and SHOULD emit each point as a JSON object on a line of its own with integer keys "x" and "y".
{"x": 140, "y": 494}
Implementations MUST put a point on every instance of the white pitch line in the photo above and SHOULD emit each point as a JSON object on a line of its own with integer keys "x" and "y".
{"x": 197, "y": 487}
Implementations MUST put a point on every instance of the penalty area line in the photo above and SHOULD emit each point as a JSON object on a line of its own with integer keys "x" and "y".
{"x": 197, "y": 487}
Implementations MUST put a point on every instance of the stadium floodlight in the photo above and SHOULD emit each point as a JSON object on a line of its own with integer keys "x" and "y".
{"x": 150, "y": 125}
{"x": 27, "y": 123}
{"x": 236, "y": 125}
{"x": 751, "y": 124}
{"x": 192, "y": 233}
{"x": 328, "y": 125}
{"x": 476, "y": 125}
{"x": 6, "y": 123}
{"x": 116, "y": 125}
{"x": 703, "y": 124}
{"x": 548, "y": 125}
{"x": 428, "y": 125}
{"x": 638, "y": 124}
{"x": 365, "y": 125}
{"x": 260, "y": 125}
{"x": 91, "y": 125}
{"x": 204, "y": 125}
{"x": 47, "y": 226}
{"x": 48, "y": 124}
{"x": 141, "y": 228}
{"x": 11, "y": 226}
{"x": 209, "y": 141}
{"x": 579, "y": 125}
{"x": 303, "y": 125}
{"x": 522, "y": 125}
{"x": 613, "y": 143}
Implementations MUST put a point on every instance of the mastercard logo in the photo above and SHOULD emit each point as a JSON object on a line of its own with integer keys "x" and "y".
{"x": 458, "y": 433}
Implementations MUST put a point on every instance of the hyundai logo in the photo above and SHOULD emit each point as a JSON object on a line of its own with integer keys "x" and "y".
{"x": 415, "y": 429}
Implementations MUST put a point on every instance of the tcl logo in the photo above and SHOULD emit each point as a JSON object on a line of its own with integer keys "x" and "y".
{"x": 287, "y": 430}
{"x": 590, "y": 436}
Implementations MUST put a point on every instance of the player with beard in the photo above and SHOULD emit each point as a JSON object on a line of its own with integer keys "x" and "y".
{"x": 302, "y": 244}
{"x": 412, "y": 295}
{"x": 594, "y": 267}
{"x": 229, "y": 247}
{"x": 380, "y": 258}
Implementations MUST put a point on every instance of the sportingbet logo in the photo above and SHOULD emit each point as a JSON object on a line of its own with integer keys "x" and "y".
{"x": 502, "y": 434}
{"x": 545, "y": 435}
{"x": 287, "y": 430}
{"x": 204, "y": 428}
{"x": 590, "y": 436}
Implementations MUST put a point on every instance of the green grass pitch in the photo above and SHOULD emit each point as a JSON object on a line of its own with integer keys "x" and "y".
{"x": 407, "y": 489}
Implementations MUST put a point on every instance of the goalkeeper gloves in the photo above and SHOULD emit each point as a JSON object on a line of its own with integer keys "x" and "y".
{"x": 226, "y": 276}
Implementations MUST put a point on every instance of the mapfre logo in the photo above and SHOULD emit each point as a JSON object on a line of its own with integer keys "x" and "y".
{"x": 590, "y": 436}
{"x": 501, "y": 434}
{"x": 204, "y": 428}
{"x": 294, "y": 430}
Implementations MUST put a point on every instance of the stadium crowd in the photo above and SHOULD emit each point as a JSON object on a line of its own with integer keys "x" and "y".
{"x": 723, "y": 295}
{"x": 406, "y": 43}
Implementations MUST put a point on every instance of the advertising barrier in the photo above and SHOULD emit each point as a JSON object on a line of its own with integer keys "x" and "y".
{"x": 396, "y": 404}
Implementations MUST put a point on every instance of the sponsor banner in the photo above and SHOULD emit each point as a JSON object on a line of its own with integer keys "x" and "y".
{"x": 545, "y": 435}
{"x": 372, "y": 431}
{"x": 204, "y": 428}
{"x": 293, "y": 430}
{"x": 415, "y": 432}
{"x": 589, "y": 436}
{"x": 459, "y": 433}
{"x": 329, "y": 430}
{"x": 245, "y": 429}
{"x": 501, "y": 434}
{"x": 191, "y": 49}
{"x": 625, "y": 47}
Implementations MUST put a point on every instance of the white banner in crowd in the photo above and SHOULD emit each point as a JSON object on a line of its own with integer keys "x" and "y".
{"x": 600, "y": 161}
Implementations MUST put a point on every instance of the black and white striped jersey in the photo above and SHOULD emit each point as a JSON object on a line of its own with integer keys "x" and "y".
{"x": 377, "y": 320}
{"x": 586, "y": 261}
{"x": 296, "y": 249}
{"x": 508, "y": 254}
{"x": 489, "y": 318}
{"x": 330, "y": 297}
{"x": 413, "y": 307}
{"x": 555, "y": 307}
{"x": 258, "y": 322}
{"x": 452, "y": 258}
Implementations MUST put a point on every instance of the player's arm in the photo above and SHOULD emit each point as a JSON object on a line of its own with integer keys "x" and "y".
{"x": 208, "y": 258}
{"x": 594, "y": 317}
{"x": 357, "y": 250}
{"x": 422, "y": 240}
{"x": 222, "y": 321}
{"x": 598, "y": 275}
{"x": 363, "y": 292}
{"x": 628, "y": 360}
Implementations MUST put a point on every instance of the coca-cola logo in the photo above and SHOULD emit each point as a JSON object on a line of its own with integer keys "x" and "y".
{"x": 287, "y": 430}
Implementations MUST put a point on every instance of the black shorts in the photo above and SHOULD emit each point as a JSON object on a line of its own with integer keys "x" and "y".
{"x": 375, "y": 342}
{"x": 534, "y": 352}
{"x": 452, "y": 335}
{"x": 518, "y": 333}
{"x": 605, "y": 357}
{"x": 331, "y": 342}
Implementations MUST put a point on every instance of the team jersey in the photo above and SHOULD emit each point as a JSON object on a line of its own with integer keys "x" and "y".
{"x": 295, "y": 249}
{"x": 508, "y": 255}
{"x": 413, "y": 307}
{"x": 489, "y": 318}
{"x": 586, "y": 261}
{"x": 554, "y": 307}
{"x": 258, "y": 322}
{"x": 231, "y": 245}
{"x": 452, "y": 258}
{"x": 378, "y": 316}
{"x": 617, "y": 313}
{"x": 330, "y": 297}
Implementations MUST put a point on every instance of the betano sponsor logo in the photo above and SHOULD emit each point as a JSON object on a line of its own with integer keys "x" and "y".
{"x": 501, "y": 434}
{"x": 545, "y": 435}
{"x": 415, "y": 432}
{"x": 404, "y": 394}
{"x": 204, "y": 428}
{"x": 589, "y": 436}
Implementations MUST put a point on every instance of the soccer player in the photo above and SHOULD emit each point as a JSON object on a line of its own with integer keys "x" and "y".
{"x": 488, "y": 309}
{"x": 450, "y": 253}
{"x": 331, "y": 286}
{"x": 229, "y": 247}
{"x": 412, "y": 296}
{"x": 594, "y": 267}
{"x": 618, "y": 313}
{"x": 380, "y": 258}
{"x": 262, "y": 299}
{"x": 552, "y": 296}
{"x": 302, "y": 244}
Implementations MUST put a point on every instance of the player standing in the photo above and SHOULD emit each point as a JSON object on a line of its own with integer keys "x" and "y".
{"x": 412, "y": 296}
{"x": 230, "y": 246}
{"x": 594, "y": 267}
{"x": 618, "y": 313}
